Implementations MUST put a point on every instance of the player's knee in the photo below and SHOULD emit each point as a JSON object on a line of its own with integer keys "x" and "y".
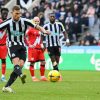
{"x": 3, "y": 61}
{"x": 21, "y": 64}
{"x": 53, "y": 59}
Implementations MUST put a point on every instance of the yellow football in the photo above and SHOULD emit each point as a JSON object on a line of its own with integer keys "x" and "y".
{"x": 53, "y": 76}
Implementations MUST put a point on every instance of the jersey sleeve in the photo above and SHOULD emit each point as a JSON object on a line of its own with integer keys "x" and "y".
{"x": 45, "y": 27}
{"x": 27, "y": 36}
{"x": 3, "y": 25}
{"x": 28, "y": 32}
{"x": 62, "y": 27}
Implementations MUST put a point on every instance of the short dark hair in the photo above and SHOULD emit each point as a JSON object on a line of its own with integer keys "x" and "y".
{"x": 4, "y": 9}
{"x": 16, "y": 7}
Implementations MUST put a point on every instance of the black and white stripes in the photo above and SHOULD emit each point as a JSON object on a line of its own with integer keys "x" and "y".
{"x": 16, "y": 30}
{"x": 53, "y": 38}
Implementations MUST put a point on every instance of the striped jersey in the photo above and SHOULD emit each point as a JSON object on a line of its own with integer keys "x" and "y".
{"x": 16, "y": 30}
{"x": 56, "y": 29}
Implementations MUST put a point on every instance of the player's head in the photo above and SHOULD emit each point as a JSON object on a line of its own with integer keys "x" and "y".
{"x": 36, "y": 20}
{"x": 4, "y": 13}
{"x": 52, "y": 17}
{"x": 16, "y": 12}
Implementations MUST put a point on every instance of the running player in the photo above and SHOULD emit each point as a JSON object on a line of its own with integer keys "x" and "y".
{"x": 16, "y": 28}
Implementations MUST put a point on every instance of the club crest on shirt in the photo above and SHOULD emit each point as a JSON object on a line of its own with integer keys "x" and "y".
{"x": 13, "y": 55}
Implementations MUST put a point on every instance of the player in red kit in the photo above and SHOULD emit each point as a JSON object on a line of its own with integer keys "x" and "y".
{"x": 35, "y": 51}
{"x": 3, "y": 47}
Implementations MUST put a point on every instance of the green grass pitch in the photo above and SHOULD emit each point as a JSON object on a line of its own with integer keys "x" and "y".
{"x": 76, "y": 85}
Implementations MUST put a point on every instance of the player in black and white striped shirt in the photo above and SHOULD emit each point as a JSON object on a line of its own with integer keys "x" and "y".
{"x": 53, "y": 41}
{"x": 16, "y": 27}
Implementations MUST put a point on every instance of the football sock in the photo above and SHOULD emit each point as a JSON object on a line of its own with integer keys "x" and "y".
{"x": 12, "y": 78}
{"x": 42, "y": 70}
{"x": 31, "y": 70}
{"x": 18, "y": 70}
{"x": 3, "y": 68}
{"x": 55, "y": 68}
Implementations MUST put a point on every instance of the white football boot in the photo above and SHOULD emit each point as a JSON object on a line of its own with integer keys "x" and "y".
{"x": 7, "y": 89}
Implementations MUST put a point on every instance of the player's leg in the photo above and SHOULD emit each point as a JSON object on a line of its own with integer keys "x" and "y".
{"x": 13, "y": 76}
{"x": 32, "y": 72}
{"x": 42, "y": 71}
{"x": 14, "y": 55}
{"x": 54, "y": 62}
{"x": 57, "y": 59}
{"x": 3, "y": 68}
{"x": 3, "y": 54}
{"x": 57, "y": 56}
{"x": 51, "y": 52}
{"x": 22, "y": 57}
{"x": 57, "y": 51}
{"x": 16, "y": 72}
{"x": 23, "y": 77}
{"x": 42, "y": 68}
{"x": 32, "y": 57}
{"x": 41, "y": 58}
{"x": 31, "y": 69}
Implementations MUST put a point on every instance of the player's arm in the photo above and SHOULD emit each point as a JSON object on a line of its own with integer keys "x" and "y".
{"x": 65, "y": 34}
{"x": 28, "y": 22}
{"x": 2, "y": 33}
{"x": 43, "y": 30}
{"x": 42, "y": 42}
{"x": 27, "y": 37}
{"x": 3, "y": 27}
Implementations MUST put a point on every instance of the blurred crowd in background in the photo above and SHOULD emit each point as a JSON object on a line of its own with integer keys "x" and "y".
{"x": 79, "y": 17}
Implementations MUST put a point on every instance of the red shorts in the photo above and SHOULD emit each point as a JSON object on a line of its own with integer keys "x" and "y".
{"x": 35, "y": 55}
{"x": 3, "y": 52}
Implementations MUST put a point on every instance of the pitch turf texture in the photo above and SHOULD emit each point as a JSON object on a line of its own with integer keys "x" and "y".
{"x": 76, "y": 85}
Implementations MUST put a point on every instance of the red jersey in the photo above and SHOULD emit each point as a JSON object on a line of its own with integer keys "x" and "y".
{"x": 3, "y": 40}
{"x": 34, "y": 37}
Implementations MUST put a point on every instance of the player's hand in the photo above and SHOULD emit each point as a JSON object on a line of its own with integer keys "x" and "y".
{"x": 47, "y": 32}
{"x": 67, "y": 42}
{"x": 43, "y": 48}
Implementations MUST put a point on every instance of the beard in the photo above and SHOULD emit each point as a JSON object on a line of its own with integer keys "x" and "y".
{"x": 52, "y": 21}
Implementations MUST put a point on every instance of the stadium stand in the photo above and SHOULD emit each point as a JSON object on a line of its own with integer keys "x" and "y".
{"x": 78, "y": 16}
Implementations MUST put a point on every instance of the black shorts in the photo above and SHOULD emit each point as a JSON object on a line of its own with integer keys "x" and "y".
{"x": 17, "y": 51}
{"x": 54, "y": 51}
